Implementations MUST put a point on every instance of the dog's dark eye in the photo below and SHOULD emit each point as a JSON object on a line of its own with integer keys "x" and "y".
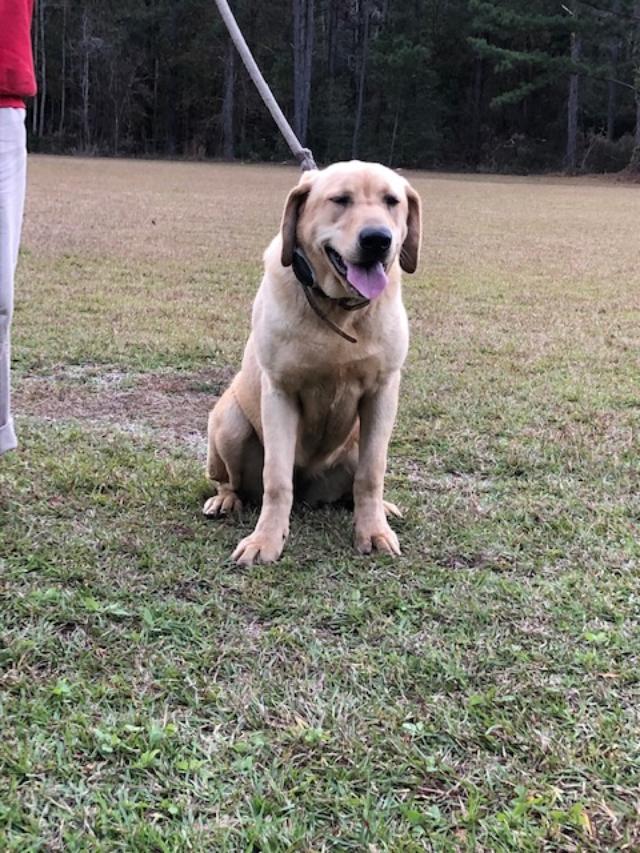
{"x": 342, "y": 200}
{"x": 391, "y": 200}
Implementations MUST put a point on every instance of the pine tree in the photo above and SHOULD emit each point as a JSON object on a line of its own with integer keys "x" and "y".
{"x": 532, "y": 45}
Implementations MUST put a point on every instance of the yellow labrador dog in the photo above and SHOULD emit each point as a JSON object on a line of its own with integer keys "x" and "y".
{"x": 314, "y": 404}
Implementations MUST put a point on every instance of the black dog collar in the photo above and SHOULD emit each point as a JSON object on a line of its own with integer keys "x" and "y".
{"x": 305, "y": 274}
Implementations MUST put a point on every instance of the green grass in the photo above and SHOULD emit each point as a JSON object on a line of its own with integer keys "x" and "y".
{"x": 479, "y": 693}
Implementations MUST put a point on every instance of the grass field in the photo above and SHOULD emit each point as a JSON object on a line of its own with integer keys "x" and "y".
{"x": 480, "y": 693}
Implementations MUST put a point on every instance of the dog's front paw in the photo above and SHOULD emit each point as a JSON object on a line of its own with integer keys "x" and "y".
{"x": 379, "y": 537}
{"x": 260, "y": 547}
{"x": 224, "y": 503}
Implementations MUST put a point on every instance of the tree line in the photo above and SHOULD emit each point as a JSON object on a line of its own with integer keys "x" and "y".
{"x": 492, "y": 85}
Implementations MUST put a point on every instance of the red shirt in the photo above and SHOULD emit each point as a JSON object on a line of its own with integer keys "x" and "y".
{"x": 17, "y": 77}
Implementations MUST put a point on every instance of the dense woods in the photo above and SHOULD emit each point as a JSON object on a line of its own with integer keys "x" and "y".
{"x": 499, "y": 85}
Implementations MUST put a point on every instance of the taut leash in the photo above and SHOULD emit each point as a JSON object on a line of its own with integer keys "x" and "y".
{"x": 301, "y": 267}
{"x": 302, "y": 155}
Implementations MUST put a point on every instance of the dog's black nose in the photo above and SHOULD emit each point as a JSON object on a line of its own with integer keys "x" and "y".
{"x": 375, "y": 242}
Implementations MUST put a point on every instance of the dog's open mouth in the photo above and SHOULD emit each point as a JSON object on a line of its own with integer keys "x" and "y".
{"x": 337, "y": 261}
{"x": 369, "y": 280}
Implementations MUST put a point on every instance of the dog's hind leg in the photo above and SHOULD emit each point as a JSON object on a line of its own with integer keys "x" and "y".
{"x": 391, "y": 509}
{"x": 229, "y": 436}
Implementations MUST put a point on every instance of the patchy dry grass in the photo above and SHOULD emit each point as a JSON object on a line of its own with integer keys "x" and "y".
{"x": 171, "y": 407}
{"x": 480, "y": 693}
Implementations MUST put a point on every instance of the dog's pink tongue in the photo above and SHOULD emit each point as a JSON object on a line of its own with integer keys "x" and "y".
{"x": 369, "y": 281}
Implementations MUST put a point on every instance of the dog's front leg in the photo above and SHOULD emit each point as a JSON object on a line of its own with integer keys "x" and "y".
{"x": 377, "y": 416}
{"x": 280, "y": 416}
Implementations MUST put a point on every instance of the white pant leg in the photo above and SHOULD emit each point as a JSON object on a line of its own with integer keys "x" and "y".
{"x": 13, "y": 171}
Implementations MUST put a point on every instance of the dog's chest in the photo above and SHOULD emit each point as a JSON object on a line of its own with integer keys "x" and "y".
{"x": 328, "y": 397}
{"x": 329, "y": 404}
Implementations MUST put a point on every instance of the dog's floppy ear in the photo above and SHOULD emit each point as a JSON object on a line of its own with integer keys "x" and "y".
{"x": 292, "y": 209}
{"x": 410, "y": 251}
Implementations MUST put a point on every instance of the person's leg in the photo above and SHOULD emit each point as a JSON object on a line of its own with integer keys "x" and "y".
{"x": 13, "y": 168}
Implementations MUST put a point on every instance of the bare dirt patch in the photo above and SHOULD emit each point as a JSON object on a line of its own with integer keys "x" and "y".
{"x": 169, "y": 405}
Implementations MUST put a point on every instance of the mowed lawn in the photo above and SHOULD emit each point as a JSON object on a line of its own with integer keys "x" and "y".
{"x": 480, "y": 693}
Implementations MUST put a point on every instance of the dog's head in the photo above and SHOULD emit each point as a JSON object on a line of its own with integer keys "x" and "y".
{"x": 353, "y": 221}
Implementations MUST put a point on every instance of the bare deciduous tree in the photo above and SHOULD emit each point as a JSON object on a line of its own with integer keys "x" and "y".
{"x": 634, "y": 165}
{"x": 303, "y": 36}
{"x": 573, "y": 101}
{"x": 63, "y": 68}
{"x": 365, "y": 12}
{"x": 227, "y": 101}
{"x": 612, "y": 86}
{"x": 85, "y": 45}
{"x": 42, "y": 88}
